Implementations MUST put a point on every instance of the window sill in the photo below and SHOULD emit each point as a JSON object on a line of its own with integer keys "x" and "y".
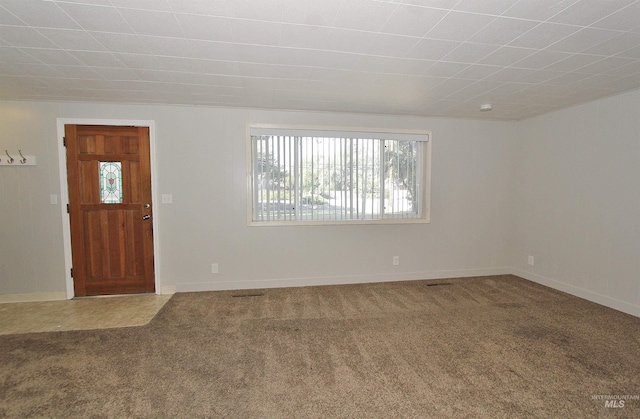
{"x": 337, "y": 222}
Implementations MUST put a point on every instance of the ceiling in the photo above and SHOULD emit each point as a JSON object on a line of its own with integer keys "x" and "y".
{"x": 403, "y": 57}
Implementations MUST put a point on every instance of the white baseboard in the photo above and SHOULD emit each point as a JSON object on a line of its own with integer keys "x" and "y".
{"x": 604, "y": 300}
{"x": 336, "y": 280}
{"x": 34, "y": 296}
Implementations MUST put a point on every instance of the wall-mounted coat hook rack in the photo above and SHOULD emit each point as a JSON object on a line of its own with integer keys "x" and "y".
{"x": 22, "y": 161}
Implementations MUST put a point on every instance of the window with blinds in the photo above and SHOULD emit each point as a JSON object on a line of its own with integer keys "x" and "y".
{"x": 327, "y": 176}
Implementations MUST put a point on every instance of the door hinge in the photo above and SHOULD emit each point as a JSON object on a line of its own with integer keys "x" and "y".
{"x": 64, "y": 141}
{"x": 71, "y": 272}
{"x": 67, "y": 208}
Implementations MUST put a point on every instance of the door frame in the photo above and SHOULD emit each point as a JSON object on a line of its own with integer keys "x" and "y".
{"x": 64, "y": 189}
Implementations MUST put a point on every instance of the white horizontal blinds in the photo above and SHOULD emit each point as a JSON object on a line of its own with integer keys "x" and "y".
{"x": 328, "y": 178}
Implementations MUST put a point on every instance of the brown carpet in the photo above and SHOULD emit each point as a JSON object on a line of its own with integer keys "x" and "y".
{"x": 479, "y": 347}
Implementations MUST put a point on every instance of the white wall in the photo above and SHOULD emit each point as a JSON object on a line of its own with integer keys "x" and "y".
{"x": 201, "y": 160}
{"x": 577, "y": 201}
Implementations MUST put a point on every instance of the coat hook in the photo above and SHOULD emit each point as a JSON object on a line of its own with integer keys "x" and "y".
{"x": 23, "y": 160}
{"x": 10, "y": 158}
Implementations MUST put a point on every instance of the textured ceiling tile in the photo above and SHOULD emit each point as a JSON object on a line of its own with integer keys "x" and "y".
{"x": 208, "y": 50}
{"x": 204, "y": 7}
{"x": 260, "y": 54}
{"x": 7, "y": 18}
{"x": 97, "y": 59}
{"x": 376, "y": 64}
{"x": 72, "y": 39}
{"x": 187, "y": 65}
{"x": 412, "y": 21}
{"x": 20, "y": 36}
{"x": 340, "y": 55}
{"x": 623, "y": 20}
{"x": 544, "y": 35}
{"x": 8, "y": 70}
{"x": 573, "y": 62}
{"x": 363, "y": 15}
{"x": 541, "y": 59}
{"x": 489, "y": 7}
{"x": 567, "y": 78}
{"x": 97, "y": 18}
{"x": 412, "y": 67}
{"x": 582, "y": 40}
{"x": 255, "y": 32}
{"x": 445, "y": 69}
{"x": 631, "y": 69}
{"x": 322, "y": 59}
{"x": 450, "y": 86}
{"x": 146, "y": 22}
{"x": 511, "y": 74}
{"x": 40, "y": 14}
{"x": 153, "y": 5}
{"x": 631, "y": 53}
{"x": 116, "y": 73}
{"x": 271, "y": 10}
{"x": 172, "y": 47}
{"x": 540, "y": 10}
{"x": 439, "y": 4}
{"x": 160, "y": 76}
{"x": 37, "y": 70}
{"x": 586, "y": 12}
{"x": 52, "y": 56}
{"x": 623, "y": 42}
{"x": 346, "y": 40}
{"x": 391, "y": 45}
{"x": 208, "y": 28}
{"x": 303, "y": 36}
{"x": 16, "y": 56}
{"x": 502, "y": 31}
{"x": 607, "y": 65}
{"x": 470, "y": 53}
{"x": 278, "y": 71}
{"x": 507, "y": 91}
{"x": 539, "y": 76}
{"x": 120, "y": 42}
{"x": 458, "y": 26}
{"x": 506, "y": 56}
{"x": 310, "y": 12}
{"x": 477, "y": 72}
{"x": 481, "y": 90}
{"x": 77, "y": 72}
{"x": 432, "y": 49}
{"x": 138, "y": 61}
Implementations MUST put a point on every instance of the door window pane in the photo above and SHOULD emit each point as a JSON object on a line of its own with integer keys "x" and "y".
{"x": 111, "y": 182}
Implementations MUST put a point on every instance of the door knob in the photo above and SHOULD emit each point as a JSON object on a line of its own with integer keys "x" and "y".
{"x": 146, "y": 217}
{"x": 147, "y": 206}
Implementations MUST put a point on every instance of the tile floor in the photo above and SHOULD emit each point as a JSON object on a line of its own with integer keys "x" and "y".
{"x": 80, "y": 314}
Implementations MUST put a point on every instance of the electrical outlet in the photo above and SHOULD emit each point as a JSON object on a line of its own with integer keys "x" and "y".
{"x": 214, "y": 268}
{"x": 531, "y": 260}
{"x": 396, "y": 260}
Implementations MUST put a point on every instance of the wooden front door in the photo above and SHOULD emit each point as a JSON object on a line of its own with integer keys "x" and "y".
{"x": 109, "y": 179}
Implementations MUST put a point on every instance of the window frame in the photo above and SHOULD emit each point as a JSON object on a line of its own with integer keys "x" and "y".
{"x": 424, "y": 179}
